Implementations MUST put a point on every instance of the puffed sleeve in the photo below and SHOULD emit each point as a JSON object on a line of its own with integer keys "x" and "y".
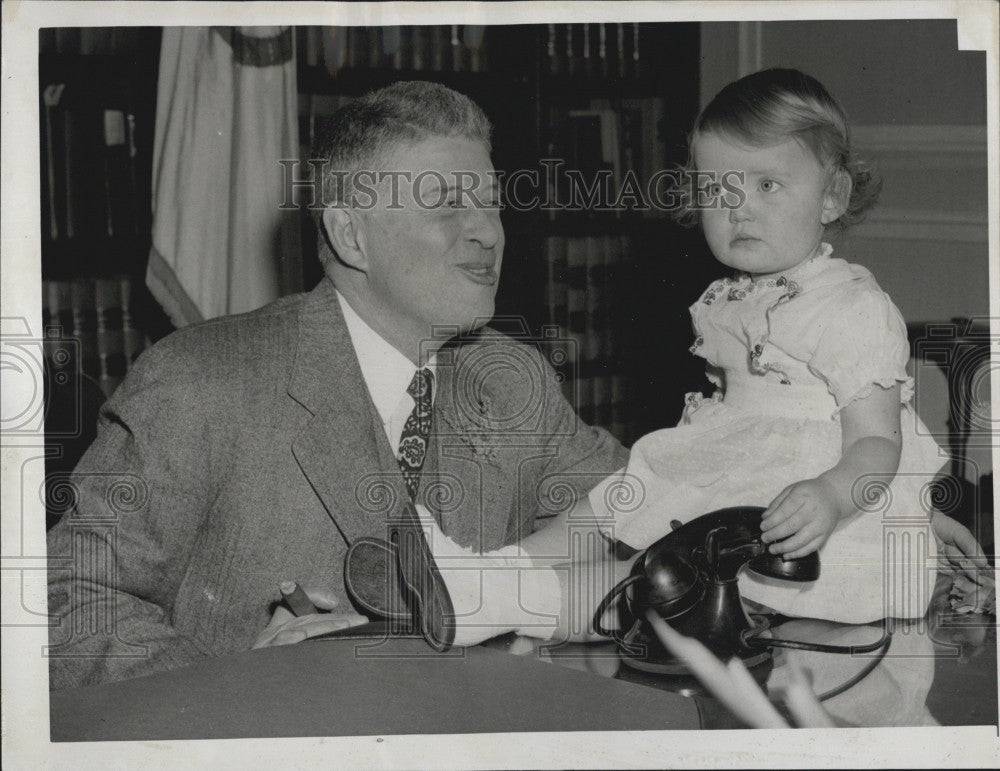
{"x": 863, "y": 344}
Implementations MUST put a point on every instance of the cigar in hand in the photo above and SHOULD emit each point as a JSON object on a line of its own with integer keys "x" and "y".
{"x": 296, "y": 599}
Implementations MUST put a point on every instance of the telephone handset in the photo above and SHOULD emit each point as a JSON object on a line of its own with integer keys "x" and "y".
{"x": 397, "y": 581}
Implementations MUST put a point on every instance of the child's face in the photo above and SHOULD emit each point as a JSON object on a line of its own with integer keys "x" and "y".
{"x": 788, "y": 201}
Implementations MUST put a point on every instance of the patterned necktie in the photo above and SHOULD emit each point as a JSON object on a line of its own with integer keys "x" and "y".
{"x": 416, "y": 430}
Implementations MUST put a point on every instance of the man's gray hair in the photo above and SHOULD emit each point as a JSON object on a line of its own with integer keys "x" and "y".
{"x": 362, "y": 135}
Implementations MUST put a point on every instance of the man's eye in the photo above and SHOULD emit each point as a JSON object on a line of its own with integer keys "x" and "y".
{"x": 768, "y": 185}
{"x": 715, "y": 189}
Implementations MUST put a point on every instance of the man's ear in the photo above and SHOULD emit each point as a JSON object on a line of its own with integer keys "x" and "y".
{"x": 345, "y": 236}
{"x": 837, "y": 197}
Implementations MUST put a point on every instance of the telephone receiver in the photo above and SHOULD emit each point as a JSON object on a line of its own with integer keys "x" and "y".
{"x": 689, "y": 578}
{"x": 398, "y": 581}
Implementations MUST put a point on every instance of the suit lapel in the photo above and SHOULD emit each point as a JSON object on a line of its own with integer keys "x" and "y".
{"x": 342, "y": 450}
{"x": 347, "y": 459}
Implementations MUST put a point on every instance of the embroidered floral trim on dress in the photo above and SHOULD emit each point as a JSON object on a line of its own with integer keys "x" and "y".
{"x": 739, "y": 288}
{"x": 757, "y": 364}
{"x": 696, "y": 399}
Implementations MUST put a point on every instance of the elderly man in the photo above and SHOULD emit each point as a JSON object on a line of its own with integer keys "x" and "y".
{"x": 256, "y": 449}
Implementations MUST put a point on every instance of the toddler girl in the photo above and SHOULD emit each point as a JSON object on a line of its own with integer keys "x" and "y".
{"x": 812, "y": 417}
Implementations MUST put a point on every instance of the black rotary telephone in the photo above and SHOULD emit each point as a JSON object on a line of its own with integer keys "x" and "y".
{"x": 689, "y": 577}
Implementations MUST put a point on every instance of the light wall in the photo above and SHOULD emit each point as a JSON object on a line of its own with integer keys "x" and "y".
{"x": 917, "y": 106}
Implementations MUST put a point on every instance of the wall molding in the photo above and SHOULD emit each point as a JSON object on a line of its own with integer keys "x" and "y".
{"x": 924, "y": 225}
{"x": 935, "y": 139}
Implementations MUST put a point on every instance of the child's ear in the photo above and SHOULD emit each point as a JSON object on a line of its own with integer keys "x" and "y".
{"x": 837, "y": 197}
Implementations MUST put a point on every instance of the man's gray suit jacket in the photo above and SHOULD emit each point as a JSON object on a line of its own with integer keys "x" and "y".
{"x": 246, "y": 450}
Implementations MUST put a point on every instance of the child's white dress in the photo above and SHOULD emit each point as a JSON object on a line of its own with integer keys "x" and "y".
{"x": 788, "y": 354}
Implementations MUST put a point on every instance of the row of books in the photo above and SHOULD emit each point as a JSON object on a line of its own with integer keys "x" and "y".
{"x": 598, "y": 50}
{"x": 438, "y": 48}
{"x": 624, "y": 142}
{"x": 607, "y": 50}
{"x": 90, "y": 328}
{"x": 89, "y": 41}
{"x": 88, "y": 164}
{"x": 582, "y": 274}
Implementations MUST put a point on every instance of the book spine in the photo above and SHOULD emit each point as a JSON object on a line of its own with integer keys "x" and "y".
{"x": 474, "y": 36}
{"x": 439, "y": 40}
{"x": 555, "y": 247}
{"x": 620, "y": 29}
{"x": 91, "y": 42}
{"x": 392, "y": 46}
{"x": 619, "y": 400}
{"x": 109, "y": 334}
{"x": 654, "y": 146}
{"x": 622, "y": 423}
{"x": 457, "y": 49}
{"x": 85, "y": 324}
{"x": 59, "y": 303}
{"x": 595, "y": 355}
{"x": 118, "y": 175}
{"x": 57, "y": 324}
{"x": 572, "y": 63}
{"x": 403, "y": 57}
{"x": 552, "y": 53}
{"x": 576, "y": 312}
{"x": 307, "y": 39}
{"x": 135, "y": 207}
{"x": 357, "y": 50}
{"x": 420, "y": 44}
{"x": 602, "y": 49}
{"x": 132, "y": 337}
{"x": 636, "y": 68}
{"x": 334, "y": 49}
{"x": 69, "y": 186}
{"x": 68, "y": 40}
{"x": 52, "y": 168}
{"x": 375, "y": 45}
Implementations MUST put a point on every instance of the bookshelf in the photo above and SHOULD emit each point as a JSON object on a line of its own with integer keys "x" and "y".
{"x": 97, "y": 104}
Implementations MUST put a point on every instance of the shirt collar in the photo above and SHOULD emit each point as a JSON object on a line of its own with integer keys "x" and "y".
{"x": 386, "y": 371}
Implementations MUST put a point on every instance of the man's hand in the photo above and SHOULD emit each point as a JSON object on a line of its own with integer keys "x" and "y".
{"x": 958, "y": 550}
{"x": 285, "y": 628}
{"x": 801, "y": 518}
{"x": 972, "y": 589}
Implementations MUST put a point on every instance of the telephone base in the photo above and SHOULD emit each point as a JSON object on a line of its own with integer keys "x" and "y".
{"x": 671, "y": 666}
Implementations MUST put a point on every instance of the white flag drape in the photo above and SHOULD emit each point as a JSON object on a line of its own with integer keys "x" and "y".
{"x": 226, "y": 115}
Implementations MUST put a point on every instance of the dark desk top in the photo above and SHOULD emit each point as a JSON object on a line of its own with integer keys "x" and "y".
{"x": 362, "y": 688}
{"x": 937, "y": 670}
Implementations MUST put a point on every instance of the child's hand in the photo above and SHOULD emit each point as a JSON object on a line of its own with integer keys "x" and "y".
{"x": 800, "y": 518}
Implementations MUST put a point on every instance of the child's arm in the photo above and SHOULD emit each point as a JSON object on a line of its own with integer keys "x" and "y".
{"x": 803, "y": 515}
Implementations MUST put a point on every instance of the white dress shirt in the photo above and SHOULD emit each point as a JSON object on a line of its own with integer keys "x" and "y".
{"x": 386, "y": 371}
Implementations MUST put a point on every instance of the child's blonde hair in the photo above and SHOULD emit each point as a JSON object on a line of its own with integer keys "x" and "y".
{"x": 770, "y": 106}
